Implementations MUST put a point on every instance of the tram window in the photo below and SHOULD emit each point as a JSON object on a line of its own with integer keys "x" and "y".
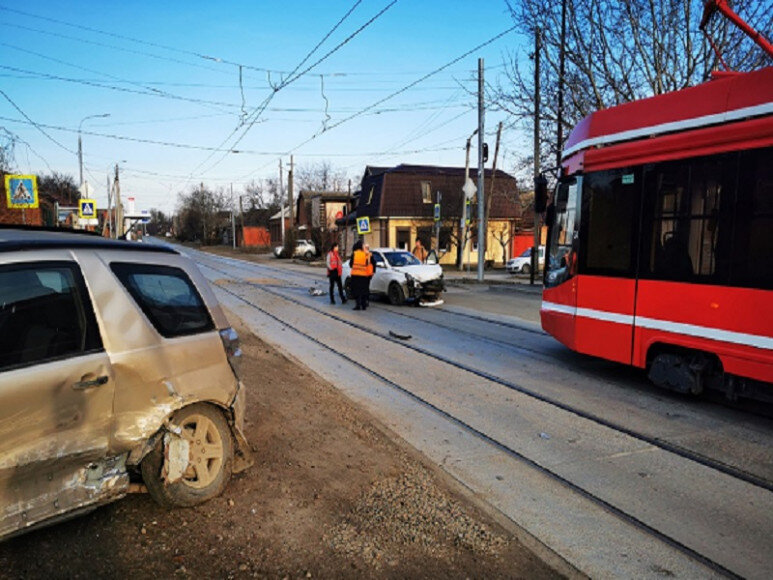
{"x": 609, "y": 200}
{"x": 688, "y": 234}
{"x": 752, "y": 261}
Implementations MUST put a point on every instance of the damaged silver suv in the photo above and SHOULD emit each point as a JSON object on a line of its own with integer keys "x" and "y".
{"x": 116, "y": 364}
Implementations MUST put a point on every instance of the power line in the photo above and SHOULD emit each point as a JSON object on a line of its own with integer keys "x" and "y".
{"x": 394, "y": 94}
{"x": 33, "y": 123}
{"x": 293, "y": 77}
{"x": 131, "y": 39}
{"x": 404, "y": 89}
{"x": 151, "y": 90}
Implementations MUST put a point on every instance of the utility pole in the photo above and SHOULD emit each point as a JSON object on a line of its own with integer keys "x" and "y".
{"x": 281, "y": 202}
{"x": 233, "y": 220}
{"x": 536, "y": 243}
{"x": 437, "y": 226}
{"x": 118, "y": 206}
{"x": 481, "y": 175}
{"x": 241, "y": 213}
{"x": 468, "y": 185}
{"x": 109, "y": 215}
{"x": 490, "y": 199}
{"x": 290, "y": 193}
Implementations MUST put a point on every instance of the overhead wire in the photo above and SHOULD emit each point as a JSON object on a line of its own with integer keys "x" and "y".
{"x": 295, "y": 76}
{"x": 392, "y": 95}
{"x": 151, "y": 90}
{"x": 33, "y": 123}
{"x": 407, "y": 87}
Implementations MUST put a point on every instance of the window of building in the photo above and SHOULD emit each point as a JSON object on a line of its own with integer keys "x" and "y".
{"x": 426, "y": 192}
{"x": 167, "y": 297}
{"x": 45, "y": 314}
{"x": 370, "y": 194}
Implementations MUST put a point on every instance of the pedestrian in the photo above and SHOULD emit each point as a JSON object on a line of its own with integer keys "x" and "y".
{"x": 371, "y": 268}
{"x": 419, "y": 251}
{"x": 359, "y": 275}
{"x": 334, "y": 270}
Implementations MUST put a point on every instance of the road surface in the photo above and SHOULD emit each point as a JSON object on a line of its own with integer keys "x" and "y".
{"x": 615, "y": 476}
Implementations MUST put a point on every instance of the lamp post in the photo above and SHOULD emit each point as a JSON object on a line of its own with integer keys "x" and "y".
{"x": 80, "y": 142}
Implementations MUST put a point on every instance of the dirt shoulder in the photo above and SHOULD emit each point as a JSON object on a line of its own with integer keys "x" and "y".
{"x": 330, "y": 495}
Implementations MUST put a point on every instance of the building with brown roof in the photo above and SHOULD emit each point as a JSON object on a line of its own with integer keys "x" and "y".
{"x": 400, "y": 203}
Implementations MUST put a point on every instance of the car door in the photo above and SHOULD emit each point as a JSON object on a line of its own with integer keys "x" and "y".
{"x": 56, "y": 393}
{"x": 380, "y": 278}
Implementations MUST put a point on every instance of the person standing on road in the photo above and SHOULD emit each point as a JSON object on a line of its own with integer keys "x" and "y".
{"x": 334, "y": 271}
{"x": 420, "y": 251}
{"x": 359, "y": 275}
{"x": 371, "y": 268}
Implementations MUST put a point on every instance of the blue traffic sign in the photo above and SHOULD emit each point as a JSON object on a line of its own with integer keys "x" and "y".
{"x": 363, "y": 225}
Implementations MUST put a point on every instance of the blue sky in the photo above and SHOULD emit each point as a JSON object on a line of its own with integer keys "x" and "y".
{"x": 168, "y": 72}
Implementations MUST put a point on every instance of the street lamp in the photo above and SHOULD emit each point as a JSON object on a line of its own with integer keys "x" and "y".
{"x": 80, "y": 142}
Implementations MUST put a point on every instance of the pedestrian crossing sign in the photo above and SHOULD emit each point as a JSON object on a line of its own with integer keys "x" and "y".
{"x": 87, "y": 208}
{"x": 363, "y": 225}
{"x": 21, "y": 191}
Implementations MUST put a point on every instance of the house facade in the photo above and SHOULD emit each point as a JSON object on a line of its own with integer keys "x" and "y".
{"x": 400, "y": 204}
{"x": 316, "y": 213}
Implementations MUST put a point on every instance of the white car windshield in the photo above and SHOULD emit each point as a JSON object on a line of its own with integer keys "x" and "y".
{"x": 397, "y": 259}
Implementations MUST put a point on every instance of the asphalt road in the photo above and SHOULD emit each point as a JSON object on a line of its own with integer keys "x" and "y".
{"x": 611, "y": 474}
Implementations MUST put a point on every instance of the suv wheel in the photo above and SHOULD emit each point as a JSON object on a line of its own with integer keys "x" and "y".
{"x": 526, "y": 269}
{"x": 308, "y": 255}
{"x": 210, "y": 459}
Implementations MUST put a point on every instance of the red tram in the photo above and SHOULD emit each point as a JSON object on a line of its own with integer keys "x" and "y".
{"x": 660, "y": 240}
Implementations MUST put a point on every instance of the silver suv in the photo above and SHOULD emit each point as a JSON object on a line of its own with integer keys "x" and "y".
{"x": 116, "y": 363}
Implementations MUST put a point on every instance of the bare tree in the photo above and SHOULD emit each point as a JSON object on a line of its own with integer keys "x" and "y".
{"x": 203, "y": 214}
{"x": 59, "y": 187}
{"x": 7, "y": 145}
{"x": 320, "y": 176}
{"x": 618, "y": 51}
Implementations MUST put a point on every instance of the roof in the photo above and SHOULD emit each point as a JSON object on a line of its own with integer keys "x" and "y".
{"x": 396, "y": 191}
{"x": 18, "y": 238}
{"x": 725, "y": 99}
{"x": 284, "y": 212}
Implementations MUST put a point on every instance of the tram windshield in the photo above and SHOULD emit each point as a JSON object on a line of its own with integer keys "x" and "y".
{"x": 561, "y": 262}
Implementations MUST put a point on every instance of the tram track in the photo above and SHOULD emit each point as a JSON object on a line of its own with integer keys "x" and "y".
{"x": 456, "y": 329}
{"x": 657, "y": 442}
{"x": 492, "y": 441}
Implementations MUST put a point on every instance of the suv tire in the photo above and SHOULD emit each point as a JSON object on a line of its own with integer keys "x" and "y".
{"x": 211, "y": 459}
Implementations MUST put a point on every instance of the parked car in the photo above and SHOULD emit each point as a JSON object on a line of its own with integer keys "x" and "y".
{"x": 303, "y": 249}
{"x": 116, "y": 362}
{"x": 400, "y": 276}
{"x": 522, "y": 263}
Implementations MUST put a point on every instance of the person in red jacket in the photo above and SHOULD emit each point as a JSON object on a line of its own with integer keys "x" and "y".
{"x": 334, "y": 271}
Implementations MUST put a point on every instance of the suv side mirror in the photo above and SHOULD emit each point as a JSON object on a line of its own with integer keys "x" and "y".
{"x": 540, "y": 193}
{"x": 432, "y": 257}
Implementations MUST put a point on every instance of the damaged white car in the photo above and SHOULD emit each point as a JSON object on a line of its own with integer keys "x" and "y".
{"x": 401, "y": 277}
{"x": 117, "y": 366}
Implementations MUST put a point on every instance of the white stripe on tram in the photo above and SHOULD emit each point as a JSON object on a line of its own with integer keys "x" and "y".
{"x": 671, "y": 127}
{"x": 710, "y": 333}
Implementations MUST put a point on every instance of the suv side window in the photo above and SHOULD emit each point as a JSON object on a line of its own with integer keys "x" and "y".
{"x": 167, "y": 297}
{"x": 45, "y": 314}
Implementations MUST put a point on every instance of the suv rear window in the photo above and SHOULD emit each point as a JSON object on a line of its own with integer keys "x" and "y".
{"x": 167, "y": 297}
{"x": 45, "y": 314}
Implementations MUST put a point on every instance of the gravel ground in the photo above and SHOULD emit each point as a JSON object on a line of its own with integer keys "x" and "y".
{"x": 331, "y": 495}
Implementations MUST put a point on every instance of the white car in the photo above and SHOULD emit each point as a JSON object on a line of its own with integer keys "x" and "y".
{"x": 400, "y": 276}
{"x": 303, "y": 249}
{"x": 522, "y": 264}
